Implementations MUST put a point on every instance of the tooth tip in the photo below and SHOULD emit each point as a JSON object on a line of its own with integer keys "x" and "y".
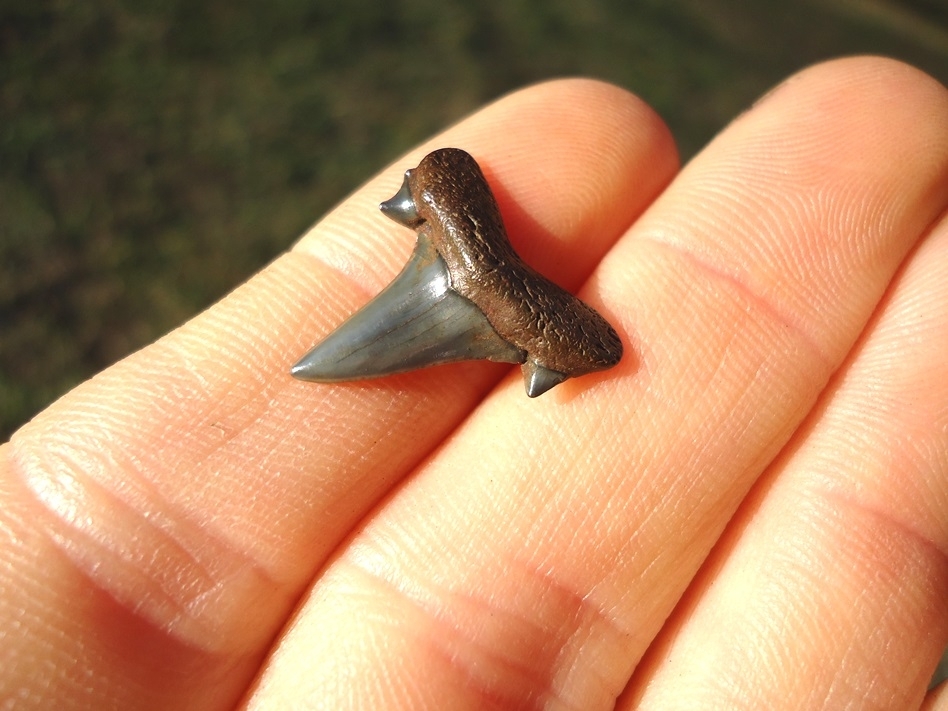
{"x": 308, "y": 368}
{"x": 538, "y": 379}
{"x": 401, "y": 206}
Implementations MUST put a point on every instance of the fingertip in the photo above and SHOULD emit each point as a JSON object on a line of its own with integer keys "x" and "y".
{"x": 866, "y": 74}
{"x": 572, "y": 162}
{"x": 863, "y": 98}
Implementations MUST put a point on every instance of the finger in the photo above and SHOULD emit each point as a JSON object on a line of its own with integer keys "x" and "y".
{"x": 829, "y": 589}
{"x": 190, "y": 491}
{"x": 937, "y": 699}
{"x": 532, "y": 560}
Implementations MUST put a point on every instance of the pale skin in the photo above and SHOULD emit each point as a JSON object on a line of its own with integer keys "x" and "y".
{"x": 750, "y": 511}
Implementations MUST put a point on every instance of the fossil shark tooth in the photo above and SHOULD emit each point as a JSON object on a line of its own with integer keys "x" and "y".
{"x": 464, "y": 295}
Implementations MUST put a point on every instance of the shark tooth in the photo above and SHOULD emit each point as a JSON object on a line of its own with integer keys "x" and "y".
{"x": 464, "y": 295}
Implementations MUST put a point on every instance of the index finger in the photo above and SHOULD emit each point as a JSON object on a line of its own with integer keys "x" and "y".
{"x": 161, "y": 519}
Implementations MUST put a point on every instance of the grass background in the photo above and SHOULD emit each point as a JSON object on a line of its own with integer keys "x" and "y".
{"x": 155, "y": 154}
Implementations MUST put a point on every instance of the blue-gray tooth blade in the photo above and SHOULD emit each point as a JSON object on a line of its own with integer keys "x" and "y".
{"x": 416, "y": 321}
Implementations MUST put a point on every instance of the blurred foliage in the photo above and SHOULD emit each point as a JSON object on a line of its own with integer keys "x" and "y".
{"x": 155, "y": 154}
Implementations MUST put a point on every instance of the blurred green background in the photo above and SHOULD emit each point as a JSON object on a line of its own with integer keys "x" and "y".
{"x": 155, "y": 154}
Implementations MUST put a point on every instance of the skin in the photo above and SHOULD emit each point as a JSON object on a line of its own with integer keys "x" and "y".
{"x": 750, "y": 511}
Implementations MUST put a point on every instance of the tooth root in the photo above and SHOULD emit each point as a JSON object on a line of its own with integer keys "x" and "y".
{"x": 401, "y": 206}
{"x": 417, "y": 321}
{"x": 537, "y": 379}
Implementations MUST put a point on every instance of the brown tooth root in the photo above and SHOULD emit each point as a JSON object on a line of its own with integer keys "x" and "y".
{"x": 464, "y": 247}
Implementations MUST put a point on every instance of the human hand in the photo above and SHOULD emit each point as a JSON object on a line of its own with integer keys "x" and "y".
{"x": 749, "y": 511}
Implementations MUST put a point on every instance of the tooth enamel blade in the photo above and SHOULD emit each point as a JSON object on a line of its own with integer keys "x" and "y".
{"x": 416, "y": 321}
